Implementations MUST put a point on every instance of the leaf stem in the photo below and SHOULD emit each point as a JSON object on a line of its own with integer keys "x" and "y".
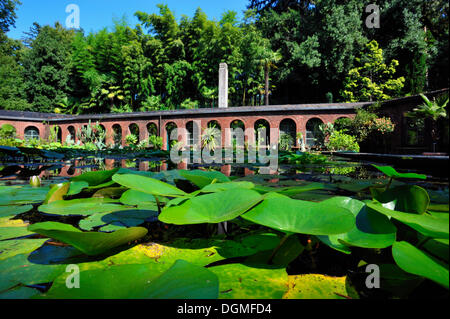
{"x": 158, "y": 204}
{"x": 275, "y": 251}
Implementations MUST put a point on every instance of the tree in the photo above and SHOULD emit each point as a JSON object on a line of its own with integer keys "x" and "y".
{"x": 372, "y": 79}
{"x": 47, "y": 67}
{"x": 8, "y": 14}
{"x": 268, "y": 59}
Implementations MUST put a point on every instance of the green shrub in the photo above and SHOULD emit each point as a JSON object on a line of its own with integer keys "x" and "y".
{"x": 286, "y": 142}
{"x": 156, "y": 142}
{"x": 339, "y": 141}
{"x": 7, "y": 131}
{"x": 131, "y": 139}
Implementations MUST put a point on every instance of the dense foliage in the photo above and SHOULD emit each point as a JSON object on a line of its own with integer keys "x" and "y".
{"x": 294, "y": 51}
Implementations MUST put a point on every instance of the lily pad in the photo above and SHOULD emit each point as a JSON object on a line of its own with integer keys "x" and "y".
{"x": 13, "y": 210}
{"x": 82, "y": 207}
{"x": 95, "y": 178}
{"x": 289, "y": 215}
{"x": 391, "y": 172}
{"x": 89, "y": 243}
{"x": 314, "y": 286}
{"x": 10, "y": 248}
{"x": 140, "y": 281}
{"x": 77, "y": 187}
{"x": 414, "y": 261}
{"x": 410, "y": 199}
{"x": 202, "y": 178}
{"x": 148, "y": 185}
{"x": 211, "y": 208}
{"x": 238, "y": 281}
{"x": 118, "y": 220}
{"x": 57, "y": 192}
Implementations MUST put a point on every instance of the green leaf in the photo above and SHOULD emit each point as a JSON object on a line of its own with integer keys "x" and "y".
{"x": 288, "y": 215}
{"x": 89, "y": 243}
{"x": 314, "y": 286}
{"x": 140, "y": 281}
{"x": 81, "y": 207}
{"x": 77, "y": 187}
{"x": 391, "y": 172}
{"x": 410, "y": 199}
{"x": 57, "y": 192}
{"x": 148, "y": 185}
{"x": 211, "y": 208}
{"x": 202, "y": 178}
{"x": 133, "y": 197}
{"x": 220, "y": 187}
{"x": 372, "y": 230}
{"x": 238, "y": 281}
{"x": 13, "y": 210}
{"x": 427, "y": 225}
{"x": 10, "y": 248}
{"x": 416, "y": 262}
{"x": 118, "y": 220}
{"x": 95, "y": 178}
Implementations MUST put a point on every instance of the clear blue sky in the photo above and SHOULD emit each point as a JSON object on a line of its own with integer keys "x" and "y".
{"x": 97, "y": 14}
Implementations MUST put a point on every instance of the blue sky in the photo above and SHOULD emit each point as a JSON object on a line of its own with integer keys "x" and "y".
{"x": 97, "y": 14}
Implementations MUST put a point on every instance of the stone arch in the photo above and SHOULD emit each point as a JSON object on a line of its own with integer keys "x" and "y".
{"x": 168, "y": 132}
{"x": 289, "y": 127}
{"x": 133, "y": 128}
{"x": 312, "y": 131}
{"x": 262, "y": 123}
{"x": 117, "y": 134}
{"x": 152, "y": 129}
{"x": 72, "y": 133}
{"x": 193, "y": 131}
{"x": 31, "y": 132}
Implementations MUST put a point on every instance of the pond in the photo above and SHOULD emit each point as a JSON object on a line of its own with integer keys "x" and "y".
{"x": 306, "y": 231}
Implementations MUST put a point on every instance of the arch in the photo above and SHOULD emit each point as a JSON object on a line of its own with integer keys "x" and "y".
{"x": 152, "y": 129}
{"x": 103, "y": 136}
{"x": 133, "y": 128}
{"x": 193, "y": 131}
{"x": 260, "y": 124}
{"x": 289, "y": 127}
{"x": 340, "y": 123}
{"x": 72, "y": 133}
{"x": 31, "y": 132}
{"x": 237, "y": 124}
{"x": 169, "y": 128}
{"x": 313, "y": 131}
{"x": 117, "y": 134}
{"x": 214, "y": 124}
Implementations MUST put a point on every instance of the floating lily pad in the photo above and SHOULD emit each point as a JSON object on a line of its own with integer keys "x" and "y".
{"x": 118, "y": 220}
{"x": 133, "y": 197}
{"x": 19, "y": 293}
{"x": 391, "y": 172}
{"x": 82, "y": 207}
{"x": 238, "y": 281}
{"x": 427, "y": 225}
{"x": 288, "y": 215}
{"x": 57, "y": 192}
{"x": 148, "y": 185}
{"x": 140, "y": 281}
{"x": 203, "y": 178}
{"x": 211, "y": 208}
{"x": 410, "y": 199}
{"x": 77, "y": 187}
{"x": 13, "y": 210}
{"x": 318, "y": 287}
{"x": 416, "y": 262}
{"x": 95, "y": 178}
{"x": 10, "y": 248}
{"x": 89, "y": 243}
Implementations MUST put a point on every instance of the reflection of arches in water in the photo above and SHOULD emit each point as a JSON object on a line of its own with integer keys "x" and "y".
{"x": 259, "y": 126}
{"x": 31, "y": 132}
{"x": 152, "y": 129}
{"x": 71, "y": 170}
{"x": 170, "y": 127}
{"x": 313, "y": 131}
{"x": 134, "y": 129}
{"x": 288, "y": 127}
{"x": 193, "y": 131}
{"x": 117, "y": 134}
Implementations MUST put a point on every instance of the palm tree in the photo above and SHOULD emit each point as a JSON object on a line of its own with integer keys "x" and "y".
{"x": 268, "y": 60}
{"x": 432, "y": 110}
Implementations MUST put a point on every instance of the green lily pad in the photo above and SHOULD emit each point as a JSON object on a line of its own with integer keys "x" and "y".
{"x": 148, "y": 185}
{"x": 57, "y": 192}
{"x": 391, "y": 172}
{"x": 289, "y": 215}
{"x": 118, "y": 220}
{"x": 19, "y": 293}
{"x": 220, "y": 187}
{"x": 13, "y": 210}
{"x": 372, "y": 230}
{"x": 238, "y": 281}
{"x": 314, "y": 286}
{"x": 77, "y": 187}
{"x": 414, "y": 261}
{"x": 82, "y": 207}
{"x": 89, "y": 243}
{"x": 211, "y": 208}
{"x": 427, "y": 225}
{"x": 140, "y": 281}
{"x": 19, "y": 270}
{"x": 10, "y": 248}
{"x": 133, "y": 197}
{"x": 23, "y": 195}
{"x": 95, "y": 178}
{"x": 203, "y": 178}
{"x": 410, "y": 199}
